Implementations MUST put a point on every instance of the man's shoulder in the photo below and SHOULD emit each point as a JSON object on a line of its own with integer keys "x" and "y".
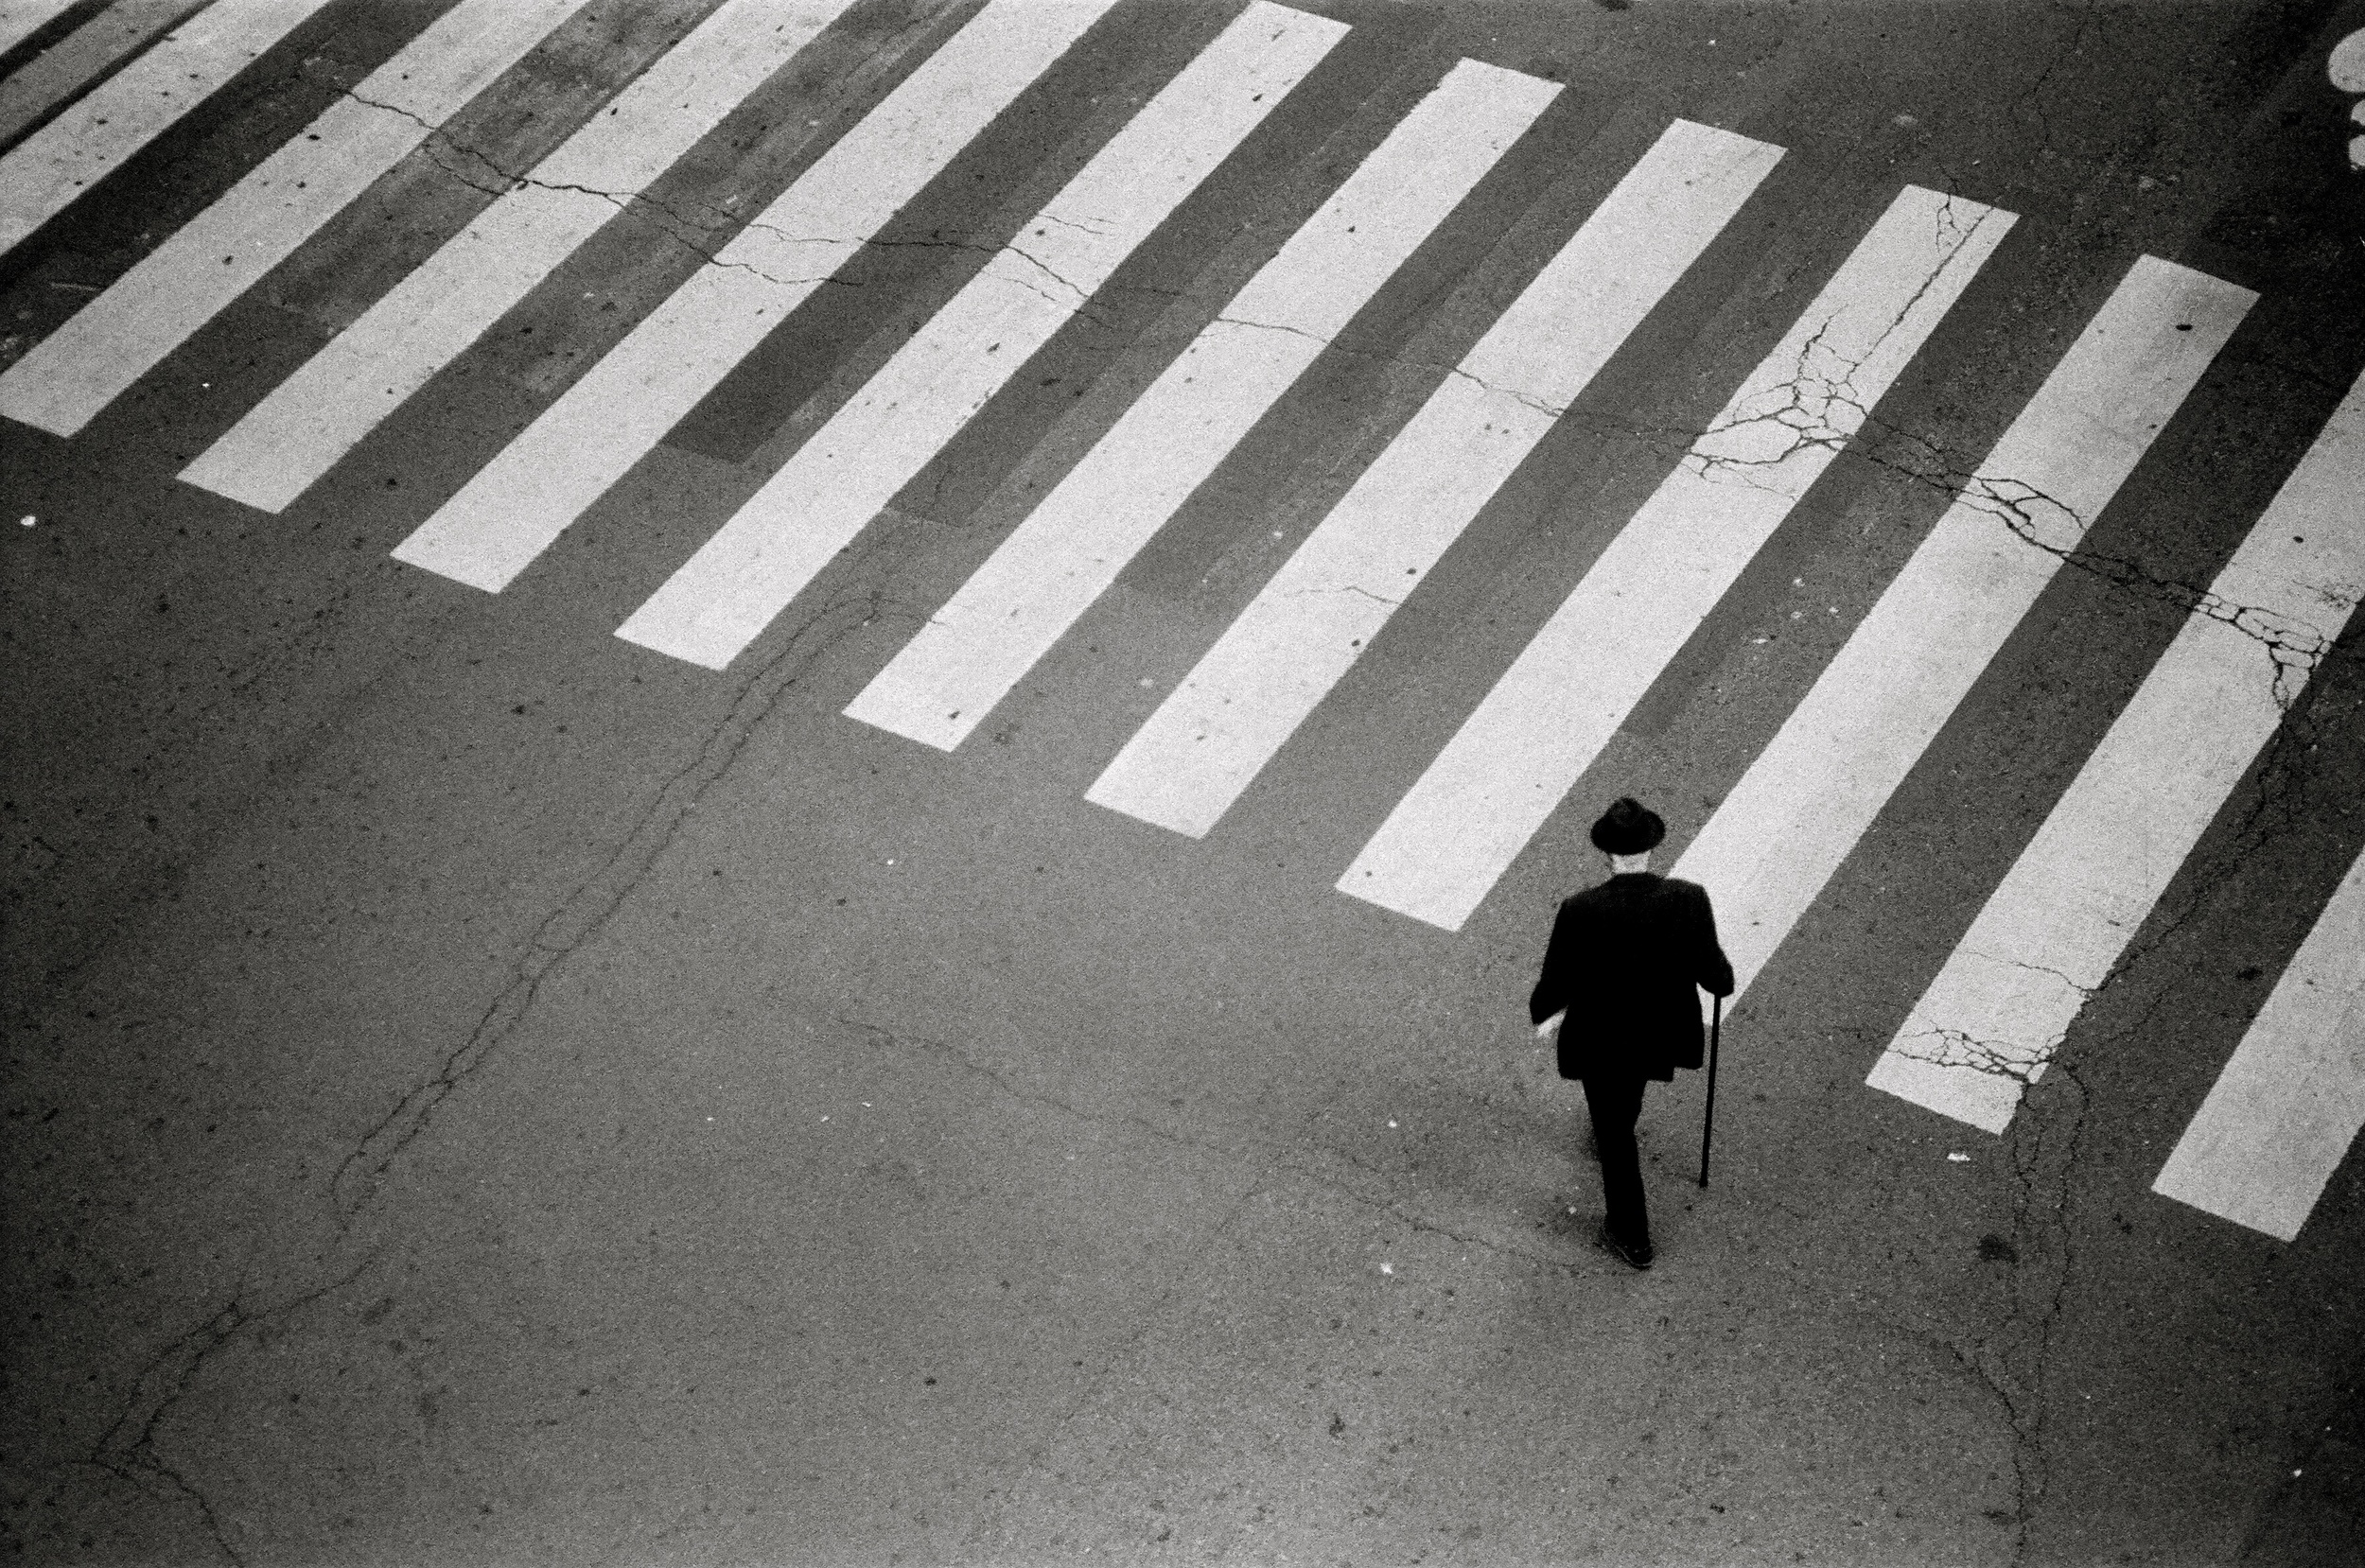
{"x": 1674, "y": 892}
{"x": 1586, "y": 898}
{"x": 1623, "y": 891}
{"x": 1657, "y": 893}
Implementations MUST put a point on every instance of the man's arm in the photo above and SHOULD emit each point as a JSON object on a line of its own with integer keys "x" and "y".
{"x": 1548, "y": 1002}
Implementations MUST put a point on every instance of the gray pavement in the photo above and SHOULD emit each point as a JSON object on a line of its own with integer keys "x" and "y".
{"x": 481, "y": 1091}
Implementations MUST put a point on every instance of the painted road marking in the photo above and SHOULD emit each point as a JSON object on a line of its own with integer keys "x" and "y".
{"x": 1518, "y": 754}
{"x": 609, "y": 420}
{"x": 1214, "y": 733}
{"x": 728, "y": 592}
{"x": 2061, "y": 917}
{"x": 43, "y": 174}
{"x": 1783, "y": 830}
{"x": 21, "y": 19}
{"x": 320, "y": 412}
{"x": 2280, "y": 1117}
{"x": 81, "y": 58}
{"x": 95, "y": 357}
{"x": 1073, "y": 544}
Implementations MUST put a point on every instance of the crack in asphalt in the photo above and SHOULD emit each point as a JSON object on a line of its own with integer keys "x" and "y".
{"x": 687, "y": 230}
{"x": 128, "y": 1448}
{"x": 2012, "y": 1361}
{"x": 2045, "y": 1149}
{"x": 2038, "y": 1279}
{"x": 1332, "y": 588}
{"x": 594, "y": 902}
{"x": 2291, "y": 644}
{"x": 2279, "y": 777}
{"x": 1810, "y": 393}
{"x": 2062, "y": 975}
{"x": 1957, "y": 1048}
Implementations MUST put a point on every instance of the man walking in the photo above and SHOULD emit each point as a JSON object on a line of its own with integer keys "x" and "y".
{"x": 1618, "y": 981}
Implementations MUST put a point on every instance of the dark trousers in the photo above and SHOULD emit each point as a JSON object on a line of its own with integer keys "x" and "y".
{"x": 1616, "y": 1104}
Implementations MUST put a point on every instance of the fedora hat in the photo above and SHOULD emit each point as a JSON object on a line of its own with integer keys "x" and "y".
{"x": 1628, "y": 828}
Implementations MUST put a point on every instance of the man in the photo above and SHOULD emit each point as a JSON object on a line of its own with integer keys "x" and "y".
{"x": 1617, "y": 982}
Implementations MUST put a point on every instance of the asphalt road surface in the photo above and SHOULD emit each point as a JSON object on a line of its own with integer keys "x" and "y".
{"x": 782, "y": 776}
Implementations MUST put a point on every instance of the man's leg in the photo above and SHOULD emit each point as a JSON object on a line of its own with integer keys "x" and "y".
{"x": 1616, "y": 1105}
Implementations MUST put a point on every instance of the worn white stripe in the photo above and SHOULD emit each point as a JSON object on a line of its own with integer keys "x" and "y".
{"x": 608, "y": 421}
{"x": 1072, "y": 546}
{"x": 81, "y": 57}
{"x": 2280, "y": 1117}
{"x": 320, "y": 412}
{"x": 1518, "y": 754}
{"x": 150, "y": 311}
{"x": 21, "y": 19}
{"x": 41, "y": 175}
{"x": 1783, "y": 830}
{"x": 1214, "y": 733}
{"x": 2050, "y": 933}
{"x": 726, "y": 595}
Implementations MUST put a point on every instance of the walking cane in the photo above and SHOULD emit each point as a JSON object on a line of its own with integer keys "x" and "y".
{"x": 1707, "y": 1123}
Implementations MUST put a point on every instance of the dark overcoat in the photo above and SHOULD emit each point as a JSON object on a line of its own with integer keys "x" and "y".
{"x": 1623, "y": 961}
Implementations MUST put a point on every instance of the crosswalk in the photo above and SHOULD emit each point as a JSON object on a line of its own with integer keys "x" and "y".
{"x": 1786, "y": 826}
{"x": 21, "y": 19}
{"x": 2286, "y": 1108}
{"x": 42, "y": 175}
{"x": 1527, "y": 744}
{"x": 150, "y": 311}
{"x": 1312, "y": 621}
{"x": 2049, "y": 935}
{"x": 1072, "y": 546}
{"x": 587, "y": 440}
{"x": 710, "y": 609}
{"x": 287, "y": 441}
{"x": 59, "y": 72}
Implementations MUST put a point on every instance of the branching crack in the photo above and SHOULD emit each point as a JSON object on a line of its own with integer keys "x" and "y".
{"x": 128, "y": 1448}
{"x": 1942, "y": 1046}
{"x": 697, "y": 230}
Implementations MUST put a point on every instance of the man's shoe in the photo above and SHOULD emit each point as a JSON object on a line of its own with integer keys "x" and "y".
{"x": 1634, "y": 1257}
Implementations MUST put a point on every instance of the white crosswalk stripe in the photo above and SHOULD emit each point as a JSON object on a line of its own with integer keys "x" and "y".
{"x": 723, "y": 597}
{"x": 317, "y": 415}
{"x": 1782, "y": 832}
{"x": 1508, "y": 768}
{"x": 42, "y": 175}
{"x": 21, "y": 19}
{"x": 1213, "y": 735}
{"x": 1072, "y": 545}
{"x": 584, "y": 443}
{"x": 2050, "y": 934}
{"x": 81, "y": 57}
{"x": 150, "y": 311}
{"x": 2286, "y": 1109}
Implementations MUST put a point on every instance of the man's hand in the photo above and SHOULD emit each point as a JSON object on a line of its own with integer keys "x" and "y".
{"x": 1544, "y": 1029}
